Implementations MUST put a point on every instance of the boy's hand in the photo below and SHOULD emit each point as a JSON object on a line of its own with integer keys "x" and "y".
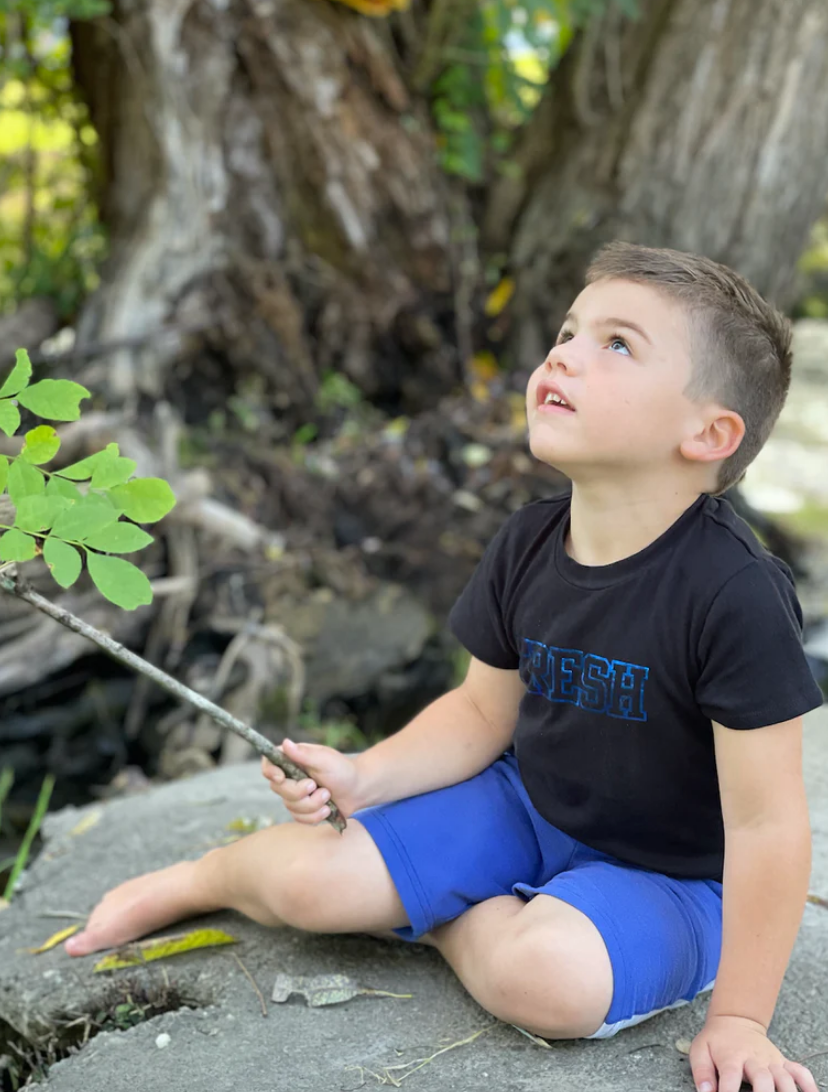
{"x": 331, "y": 775}
{"x": 739, "y": 1049}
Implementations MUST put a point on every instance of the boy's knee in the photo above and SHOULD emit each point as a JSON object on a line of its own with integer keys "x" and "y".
{"x": 536, "y": 980}
{"x": 302, "y": 894}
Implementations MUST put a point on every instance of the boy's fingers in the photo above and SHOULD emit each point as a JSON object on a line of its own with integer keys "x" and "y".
{"x": 295, "y": 790}
{"x": 308, "y": 805}
{"x": 314, "y": 818}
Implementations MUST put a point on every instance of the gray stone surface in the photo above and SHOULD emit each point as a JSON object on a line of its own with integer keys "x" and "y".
{"x": 224, "y": 1042}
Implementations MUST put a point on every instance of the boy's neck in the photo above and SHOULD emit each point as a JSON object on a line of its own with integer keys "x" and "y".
{"x": 609, "y": 523}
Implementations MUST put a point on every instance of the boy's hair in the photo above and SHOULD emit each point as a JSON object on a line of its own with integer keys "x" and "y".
{"x": 740, "y": 345}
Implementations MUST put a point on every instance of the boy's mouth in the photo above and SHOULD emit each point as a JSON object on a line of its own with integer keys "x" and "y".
{"x": 550, "y": 397}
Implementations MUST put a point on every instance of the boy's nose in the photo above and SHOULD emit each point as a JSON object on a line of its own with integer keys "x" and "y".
{"x": 563, "y": 357}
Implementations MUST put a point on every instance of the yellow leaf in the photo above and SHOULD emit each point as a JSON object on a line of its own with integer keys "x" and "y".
{"x": 517, "y": 411}
{"x": 145, "y": 951}
{"x": 54, "y": 940}
{"x": 86, "y": 823}
{"x": 683, "y": 1046}
{"x": 499, "y": 297}
{"x": 376, "y": 8}
{"x": 4, "y": 904}
{"x": 479, "y": 391}
{"x": 484, "y": 366}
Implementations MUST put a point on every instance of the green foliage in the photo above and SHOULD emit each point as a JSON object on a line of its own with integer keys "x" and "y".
{"x": 491, "y": 77}
{"x": 51, "y": 242}
{"x": 56, "y": 518}
{"x": 6, "y": 780}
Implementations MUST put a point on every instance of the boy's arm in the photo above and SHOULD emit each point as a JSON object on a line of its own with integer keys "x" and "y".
{"x": 767, "y": 865}
{"x": 452, "y": 739}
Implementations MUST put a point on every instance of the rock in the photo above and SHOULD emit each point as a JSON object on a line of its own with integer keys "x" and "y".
{"x": 788, "y": 474}
{"x": 205, "y": 1007}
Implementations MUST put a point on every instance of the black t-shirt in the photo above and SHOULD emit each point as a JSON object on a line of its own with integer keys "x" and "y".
{"x": 625, "y": 667}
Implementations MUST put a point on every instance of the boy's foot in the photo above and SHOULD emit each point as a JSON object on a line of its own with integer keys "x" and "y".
{"x": 138, "y": 907}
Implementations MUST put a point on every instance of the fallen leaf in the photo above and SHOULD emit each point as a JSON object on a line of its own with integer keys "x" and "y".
{"x": 818, "y": 900}
{"x": 683, "y": 1046}
{"x": 536, "y": 1039}
{"x": 4, "y": 904}
{"x": 145, "y": 951}
{"x": 86, "y": 823}
{"x": 249, "y": 826}
{"x": 54, "y": 940}
{"x": 483, "y": 366}
{"x": 324, "y": 989}
{"x": 376, "y": 8}
{"x": 499, "y": 297}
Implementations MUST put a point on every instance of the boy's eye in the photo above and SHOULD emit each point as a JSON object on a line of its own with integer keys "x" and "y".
{"x": 563, "y": 336}
{"x": 619, "y": 341}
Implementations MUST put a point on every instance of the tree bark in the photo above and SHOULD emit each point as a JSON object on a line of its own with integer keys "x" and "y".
{"x": 700, "y": 126}
{"x": 271, "y": 185}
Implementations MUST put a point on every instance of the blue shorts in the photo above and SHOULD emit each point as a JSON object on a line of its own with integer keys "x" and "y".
{"x": 449, "y": 849}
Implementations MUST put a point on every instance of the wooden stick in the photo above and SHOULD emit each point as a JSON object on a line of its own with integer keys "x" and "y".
{"x": 10, "y": 582}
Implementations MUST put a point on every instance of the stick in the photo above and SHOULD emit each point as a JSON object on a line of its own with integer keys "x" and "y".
{"x": 9, "y": 582}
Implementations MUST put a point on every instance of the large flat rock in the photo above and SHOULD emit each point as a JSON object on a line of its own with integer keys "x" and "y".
{"x": 223, "y": 1042}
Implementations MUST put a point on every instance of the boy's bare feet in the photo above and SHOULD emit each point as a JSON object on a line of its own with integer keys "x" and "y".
{"x": 140, "y": 906}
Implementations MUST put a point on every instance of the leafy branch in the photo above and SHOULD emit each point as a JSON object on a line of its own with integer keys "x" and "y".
{"x": 87, "y": 512}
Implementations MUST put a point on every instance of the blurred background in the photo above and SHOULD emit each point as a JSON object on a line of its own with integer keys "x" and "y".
{"x": 305, "y": 254}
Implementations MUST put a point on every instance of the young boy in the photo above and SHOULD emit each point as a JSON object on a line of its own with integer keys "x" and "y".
{"x": 608, "y": 815}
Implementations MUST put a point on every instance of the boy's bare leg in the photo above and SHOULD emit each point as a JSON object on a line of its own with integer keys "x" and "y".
{"x": 308, "y": 877}
{"x": 542, "y": 965}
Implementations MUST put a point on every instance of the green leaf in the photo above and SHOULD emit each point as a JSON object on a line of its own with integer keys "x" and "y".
{"x": 55, "y": 399}
{"x": 119, "y": 581}
{"x": 24, "y": 481}
{"x": 114, "y": 471}
{"x": 83, "y": 470}
{"x": 4, "y": 472}
{"x": 84, "y": 518}
{"x": 63, "y": 560}
{"x": 42, "y": 444}
{"x": 39, "y": 512}
{"x": 57, "y": 487}
{"x": 144, "y": 500}
{"x": 19, "y": 376}
{"x": 15, "y": 546}
{"x": 9, "y": 417}
{"x": 119, "y": 538}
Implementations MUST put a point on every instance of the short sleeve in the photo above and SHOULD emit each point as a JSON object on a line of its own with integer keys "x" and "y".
{"x": 753, "y": 669}
{"x": 477, "y": 619}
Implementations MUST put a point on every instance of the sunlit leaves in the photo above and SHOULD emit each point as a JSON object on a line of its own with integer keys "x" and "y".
{"x": 94, "y": 519}
{"x": 9, "y": 418}
{"x": 63, "y": 560}
{"x": 54, "y": 399}
{"x": 145, "y": 500}
{"x": 19, "y": 376}
{"x": 119, "y": 538}
{"x": 119, "y": 581}
{"x": 493, "y": 68}
{"x": 42, "y": 444}
{"x": 15, "y": 546}
{"x": 24, "y": 481}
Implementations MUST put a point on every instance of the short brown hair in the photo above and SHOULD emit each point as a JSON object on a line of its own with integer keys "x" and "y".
{"x": 740, "y": 344}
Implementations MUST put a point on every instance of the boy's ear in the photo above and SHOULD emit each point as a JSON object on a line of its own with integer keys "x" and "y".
{"x": 717, "y": 438}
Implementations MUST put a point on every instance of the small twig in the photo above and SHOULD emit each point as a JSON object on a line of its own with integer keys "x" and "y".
{"x": 62, "y": 914}
{"x": 14, "y": 586}
{"x": 252, "y": 981}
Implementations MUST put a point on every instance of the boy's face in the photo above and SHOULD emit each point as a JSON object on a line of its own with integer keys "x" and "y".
{"x": 621, "y": 360}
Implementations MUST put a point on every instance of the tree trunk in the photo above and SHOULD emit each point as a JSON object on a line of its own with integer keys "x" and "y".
{"x": 701, "y": 126}
{"x": 272, "y": 192}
